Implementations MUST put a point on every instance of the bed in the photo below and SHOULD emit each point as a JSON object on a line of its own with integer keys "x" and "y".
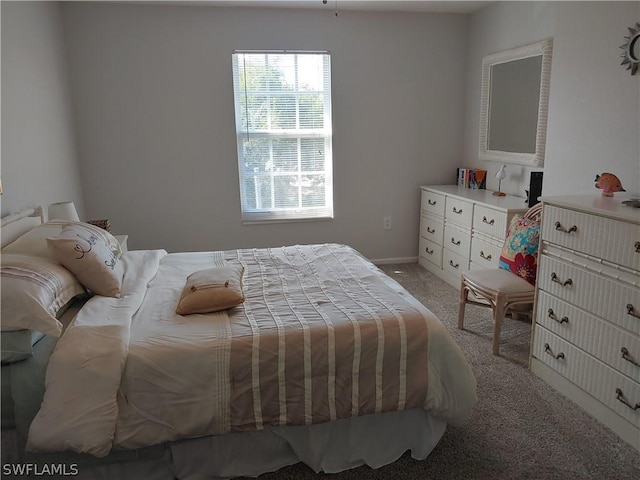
{"x": 310, "y": 354}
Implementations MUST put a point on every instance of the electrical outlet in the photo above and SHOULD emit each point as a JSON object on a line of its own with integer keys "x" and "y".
{"x": 386, "y": 223}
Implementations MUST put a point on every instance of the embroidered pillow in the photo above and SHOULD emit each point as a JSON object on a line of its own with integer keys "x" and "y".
{"x": 34, "y": 291}
{"x": 34, "y": 242}
{"x": 89, "y": 258}
{"x": 520, "y": 251}
{"x": 212, "y": 290}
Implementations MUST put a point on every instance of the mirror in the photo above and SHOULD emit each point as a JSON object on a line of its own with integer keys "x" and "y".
{"x": 515, "y": 100}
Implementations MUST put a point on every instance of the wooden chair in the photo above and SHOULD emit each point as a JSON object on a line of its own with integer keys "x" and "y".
{"x": 496, "y": 288}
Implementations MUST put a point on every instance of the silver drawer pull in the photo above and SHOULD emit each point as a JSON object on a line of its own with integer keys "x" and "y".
{"x": 486, "y": 257}
{"x": 431, "y": 202}
{"x": 431, "y": 230}
{"x": 571, "y": 229}
{"x": 551, "y": 314}
{"x": 637, "y": 245}
{"x": 632, "y": 311}
{"x": 627, "y": 356}
{"x": 488, "y": 222}
{"x": 548, "y": 350}
{"x": 457, "y": 265}
{"x": 453, "y": 240}
{"x": 620, "y": 398}
{"x": 555, "y": 278}
{"x": 430, "y": 252}
{"x": 455, "y": 210}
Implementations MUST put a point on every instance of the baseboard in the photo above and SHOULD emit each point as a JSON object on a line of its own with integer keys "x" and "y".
{"x": 387, "y": 261}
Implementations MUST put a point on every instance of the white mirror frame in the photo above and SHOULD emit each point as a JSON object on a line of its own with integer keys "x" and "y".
{"x": 536, "y": 159}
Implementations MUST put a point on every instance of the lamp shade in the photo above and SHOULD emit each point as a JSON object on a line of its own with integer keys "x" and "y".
{"x": 501, "y": 173}
{"x": 63, "y": 211}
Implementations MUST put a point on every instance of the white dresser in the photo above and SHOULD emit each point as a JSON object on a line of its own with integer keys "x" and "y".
{"x": 463, "y": 229}
{"x": 586, "y": 338}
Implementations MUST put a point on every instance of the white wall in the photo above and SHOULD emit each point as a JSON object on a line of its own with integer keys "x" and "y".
{"x": 39, "y": 161}
{"x": 500, "y": 26}
{"x": 594, "y": 110}
{"x": 154, "y": 102}
{"x": 594, "y": 105}
{"x": 155, "y": 119}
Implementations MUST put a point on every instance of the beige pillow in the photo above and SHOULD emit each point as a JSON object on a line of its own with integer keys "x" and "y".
{"x": 34, "y": 290}
{"x": 89, "y": 258}
{"x": 212, "y": 290}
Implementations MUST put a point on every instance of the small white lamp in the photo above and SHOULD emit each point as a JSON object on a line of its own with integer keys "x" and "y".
{"x": 63, "y": 211}
{"x": 500, "y": 175}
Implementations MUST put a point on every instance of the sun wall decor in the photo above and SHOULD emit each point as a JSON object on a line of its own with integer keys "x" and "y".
{"x": 631, "y": 49}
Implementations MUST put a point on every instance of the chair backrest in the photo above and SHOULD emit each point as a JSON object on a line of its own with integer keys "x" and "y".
{"x": 534, "y": 212}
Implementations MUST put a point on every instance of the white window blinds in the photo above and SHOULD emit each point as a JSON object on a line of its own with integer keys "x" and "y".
{"x": 283, "y": 128}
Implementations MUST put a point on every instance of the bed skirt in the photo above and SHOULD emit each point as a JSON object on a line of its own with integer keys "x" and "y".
{"x": 374, "y": 440}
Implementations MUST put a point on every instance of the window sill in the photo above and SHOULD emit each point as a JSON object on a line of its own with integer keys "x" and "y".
{"x": 286, "y": 220}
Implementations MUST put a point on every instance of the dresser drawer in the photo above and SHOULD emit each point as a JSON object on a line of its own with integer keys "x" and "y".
{"x": 431, "y": 251}
{"x": 604, "y": 297}
{"x": 459, "y": 212}
{"x": 446, "y": 212}
{"x": 599, "y": 338}
{"x": 431, "y": 228}
{"x": 606, "y": 238}
{"x": 590, "y": 374}
{"x": 453, "y": 263}
{"x": 484, "y": 254}
{"x": 433, "y": 203}
{"x": 490, "y": 222}
{"x": 457, "y": 240}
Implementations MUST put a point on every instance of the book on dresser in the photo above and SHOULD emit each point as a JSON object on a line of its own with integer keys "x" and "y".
{"x": 473, "y": 178}
{"x": 586, "y": 335}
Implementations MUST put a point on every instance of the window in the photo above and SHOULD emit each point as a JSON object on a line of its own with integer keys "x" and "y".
{"x": 283, "y": 128}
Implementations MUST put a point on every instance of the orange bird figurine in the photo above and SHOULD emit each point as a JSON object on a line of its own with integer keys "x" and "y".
{"x": 609, "y": 184}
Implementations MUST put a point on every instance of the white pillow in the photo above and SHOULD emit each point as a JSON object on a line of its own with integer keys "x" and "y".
{"x": 34, "y": 242}
{"x": 89, "y": 258}
{"x": 34, "y": 290}
{"x": 18, "y": 345}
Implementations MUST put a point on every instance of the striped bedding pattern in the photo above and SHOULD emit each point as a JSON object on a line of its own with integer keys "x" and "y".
{"x": 326, "y": 339}
{"x": 322, "y": 335}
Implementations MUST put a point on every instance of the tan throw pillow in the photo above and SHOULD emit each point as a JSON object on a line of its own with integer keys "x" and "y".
{"x": 89, "y": 258}
{"x": 212, "y": 290}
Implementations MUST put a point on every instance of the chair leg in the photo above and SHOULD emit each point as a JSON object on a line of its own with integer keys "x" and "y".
{"x": 463, "y": 303}
{"x": 498, "y": 317}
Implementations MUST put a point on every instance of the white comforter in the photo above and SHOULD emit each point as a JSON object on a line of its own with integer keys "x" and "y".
{"x": 129, "y": 372}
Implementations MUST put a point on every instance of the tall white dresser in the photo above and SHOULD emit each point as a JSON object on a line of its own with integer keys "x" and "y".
{"x": 463, "y": 229}
{"x": 586, "y": 337}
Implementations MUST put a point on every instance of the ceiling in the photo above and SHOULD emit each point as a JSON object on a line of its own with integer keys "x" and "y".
{"x": 450, "y": 6}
